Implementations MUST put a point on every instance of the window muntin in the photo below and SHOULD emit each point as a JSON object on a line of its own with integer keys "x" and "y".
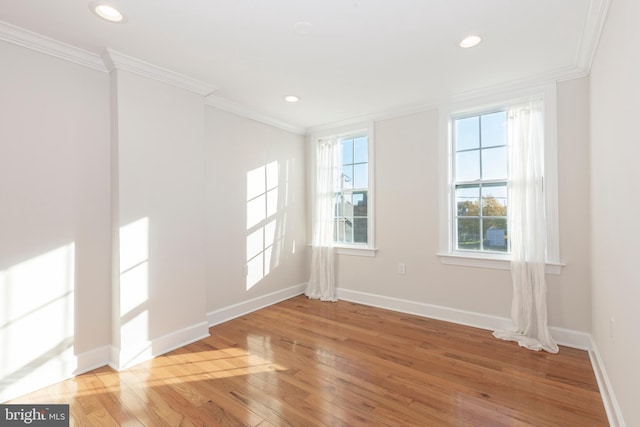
{"x": 480, "y": 167}
{"x": 351, "y": 190}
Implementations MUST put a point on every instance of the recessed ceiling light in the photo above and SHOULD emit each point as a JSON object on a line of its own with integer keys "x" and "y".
{"x": 107, "y": 12}
{"x": 291, "y": 98}
{"x": 470, "y": 41}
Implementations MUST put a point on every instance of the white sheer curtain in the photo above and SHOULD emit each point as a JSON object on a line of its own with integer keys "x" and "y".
{"x": 528, "y": 234}
{"x": 322, "y": 281}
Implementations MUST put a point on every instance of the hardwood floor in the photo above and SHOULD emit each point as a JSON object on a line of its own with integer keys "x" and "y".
{"x": 309, "y": 363}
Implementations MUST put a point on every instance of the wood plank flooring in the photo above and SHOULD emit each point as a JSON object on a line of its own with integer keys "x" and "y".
{"x": 311, "y": 363}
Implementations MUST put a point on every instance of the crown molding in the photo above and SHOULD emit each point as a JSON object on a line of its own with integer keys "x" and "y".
{"x": 240, "y": 110}
{"x": 591, "y": 33}
{"x": 118, "y": 61}
{"x": 30, "y": 40}
{"x": 524, "y": 84}
{"x": 527, "y": 83}
{"x": 393, "y": 113}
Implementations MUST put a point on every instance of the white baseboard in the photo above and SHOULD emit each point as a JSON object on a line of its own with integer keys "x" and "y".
{"x": 614, "y": 414}
{"x": 58, "y": 367}
{"x": 570, "y": 338}
{"x": 145, "y": 350}
{"x": 566, "y": 337}
{"x": 221, "y": 315}
{"x": 92, "y": 359}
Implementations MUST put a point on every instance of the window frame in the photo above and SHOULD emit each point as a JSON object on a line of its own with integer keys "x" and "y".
{"x": 477, "y": 105}
{"x": 480, "y": 183}
{"x": 351, "y": 191}
{"x": 362, "y": 129}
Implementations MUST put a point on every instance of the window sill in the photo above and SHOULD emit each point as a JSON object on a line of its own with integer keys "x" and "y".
{"x": 355, "y": 251}
{"x": 498, "y": 262}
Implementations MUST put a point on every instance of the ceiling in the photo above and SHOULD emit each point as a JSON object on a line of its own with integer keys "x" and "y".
{"x": 357, "y": 58}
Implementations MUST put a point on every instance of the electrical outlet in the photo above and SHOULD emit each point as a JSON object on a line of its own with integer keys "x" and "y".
{"x": 402, "y": 270}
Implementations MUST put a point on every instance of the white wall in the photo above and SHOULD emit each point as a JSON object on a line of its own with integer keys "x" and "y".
{"x": 569, "y": 294}
{"x": 121, "y": 224}
{"x": 54, "y": 217}
{"x": 406, "y": 168}
{"x": 160, "y": 167}
{"x": 615, "y": 153}
{"x": 237, "y": 149}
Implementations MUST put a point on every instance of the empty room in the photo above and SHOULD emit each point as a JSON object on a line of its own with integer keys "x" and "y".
{"x": 317, "y": 213}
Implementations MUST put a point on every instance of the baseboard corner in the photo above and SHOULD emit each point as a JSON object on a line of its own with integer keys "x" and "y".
{"x": 614, "y": 414}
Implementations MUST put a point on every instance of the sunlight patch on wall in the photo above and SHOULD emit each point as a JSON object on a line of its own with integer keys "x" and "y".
{"x": 134, "y": 288}
{"x": 265, "y": 223}
{"x": 37, "y": 321}
{"x": 134, "y": 265}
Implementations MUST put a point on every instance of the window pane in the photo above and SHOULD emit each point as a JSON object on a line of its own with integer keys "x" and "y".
{"x": 494, "y": 163}
{"x": 494, "y": 200}
{"x": 361, "y": 150}
{"x": 494, "y": 129}
{"x": 467, "y": 133}
{"x": 495, "y": 234}
{"x": 360, "y": 176}
{"x": 360, "y": 230}
{"x": 480, "y": 174}
{"x": 468, "y": 233}
{"x": 348, "y": 230}
{"x": 347, "y": 177}
{"x": 360, "y": 203}
{"x": 348, "y": 205}
{"x": 338, "y": 205}
{"x": 468, "y": 200}
{"x": 468, "y": 166}
{"x": 347, "y": 151}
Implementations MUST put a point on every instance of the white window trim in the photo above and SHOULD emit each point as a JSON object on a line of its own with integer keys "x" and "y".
{"x": 368, "y": 250}
{"x": 495, "y": 261}
{"x": 446, "y": 252}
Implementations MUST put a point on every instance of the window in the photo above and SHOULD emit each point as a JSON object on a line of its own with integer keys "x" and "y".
{"x": 351, "y": 191}
{"x": 350, "y": 203}
{"x": 480, "y": 182}
{"x": 474, "y": 176}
